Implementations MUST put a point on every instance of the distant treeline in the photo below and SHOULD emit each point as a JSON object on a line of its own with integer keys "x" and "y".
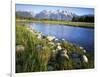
{"x": 85, "y": 18}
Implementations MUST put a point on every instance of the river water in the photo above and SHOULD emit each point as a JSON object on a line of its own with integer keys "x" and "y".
{"x": 81, "y": 36}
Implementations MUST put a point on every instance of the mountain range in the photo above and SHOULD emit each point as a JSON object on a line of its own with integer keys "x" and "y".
{"x": 55, "y": 15}
{"x": 51, "y": 15}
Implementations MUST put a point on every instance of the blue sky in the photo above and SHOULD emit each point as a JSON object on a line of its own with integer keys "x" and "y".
{"x": 38, "y": 8}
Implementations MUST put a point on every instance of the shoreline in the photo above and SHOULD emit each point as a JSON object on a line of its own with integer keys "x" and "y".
{"x": 68, "y": 23}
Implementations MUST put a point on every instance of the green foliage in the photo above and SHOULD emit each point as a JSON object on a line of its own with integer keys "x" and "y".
{"x": 85, "y": 18}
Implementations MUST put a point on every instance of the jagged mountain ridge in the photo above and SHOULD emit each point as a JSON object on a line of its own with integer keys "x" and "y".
{"x": 55, "y": 15}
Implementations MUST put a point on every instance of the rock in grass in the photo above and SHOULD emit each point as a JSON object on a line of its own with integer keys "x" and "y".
{"x": 39, "y": 36}
{"x": 62, "y": 54}
{"x": 50, "y": 38}
{"x": 59, "y": 47}
{"x": 84, "y": 51}
{"x": 81, "y": 48}
{"x": 31, "y": 31}
{"x": 20, "y": 48}
{"x": 85, "y": 59}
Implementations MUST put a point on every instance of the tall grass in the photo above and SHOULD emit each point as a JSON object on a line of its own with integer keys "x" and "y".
{"x": 33, "y": 58}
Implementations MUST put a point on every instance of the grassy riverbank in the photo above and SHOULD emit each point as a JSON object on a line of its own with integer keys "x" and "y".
{"x": 34, "y": 54}
{"x": 69, "y": 23}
